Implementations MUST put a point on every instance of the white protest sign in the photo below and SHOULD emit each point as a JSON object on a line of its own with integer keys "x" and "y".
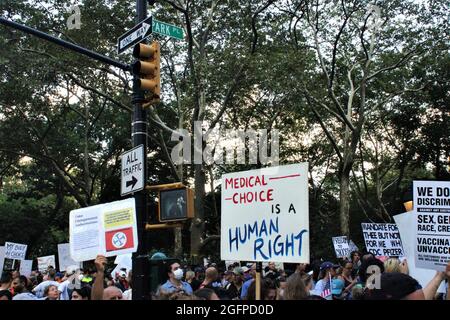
{"x": 265, "y": 215}
{"x": 45, "y": 262}
{"x": 25, "y": 267}
{"x": 382, "y": 239}
{"x": 405, "y": 223}
{"x": 431, "y": 200}
{"x": 341, "y": 247}
{"x": 2, "y": 257}
{"x": 64, "y": 258}
{"x": 15, "y": 251}
{"x": 124, "y": 261}
{"x": 352, "y": 246}
{"x": 107, "y": 229}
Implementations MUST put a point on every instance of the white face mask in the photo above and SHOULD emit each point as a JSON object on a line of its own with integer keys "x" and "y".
{"x": 178, "y": 274}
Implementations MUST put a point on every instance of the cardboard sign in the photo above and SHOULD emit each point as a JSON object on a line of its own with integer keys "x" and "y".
{"x": 25, "y": 267}
{"x": 265, "y": 215}
{"x": 15, "y": 251}
{"x": 45, "y": 262}
{"x": 64, "y": 257}
{"x": 108, "y": 229}
{"x": 431, "y": 201}
{"x": 382, "y": 239}
{"x": 341, "y": 247}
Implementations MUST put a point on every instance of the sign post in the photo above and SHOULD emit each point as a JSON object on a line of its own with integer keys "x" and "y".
{"x": 140, "y": 261}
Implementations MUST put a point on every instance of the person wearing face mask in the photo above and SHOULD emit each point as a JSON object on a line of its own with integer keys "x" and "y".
{"x": 175, "y": 283}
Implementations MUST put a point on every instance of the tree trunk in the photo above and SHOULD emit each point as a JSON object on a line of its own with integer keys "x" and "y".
{"x": 344, "y": 204}
{"x": 198, "y": 223}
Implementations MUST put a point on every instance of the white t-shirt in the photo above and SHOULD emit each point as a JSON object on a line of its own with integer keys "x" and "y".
{"x": 63, "y": 289}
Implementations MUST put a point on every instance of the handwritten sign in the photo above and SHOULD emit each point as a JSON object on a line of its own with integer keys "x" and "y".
{"x": 382, "y": 239}
{"x": 15, "y": 251}
{"x": 431, "y": 201}
{"x": 341, "y": 247}
{"x": 265, "y": 215}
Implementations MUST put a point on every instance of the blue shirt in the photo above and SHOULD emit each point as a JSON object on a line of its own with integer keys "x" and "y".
{"x": 170, "y": 287}
{"x": 245, "y": 287}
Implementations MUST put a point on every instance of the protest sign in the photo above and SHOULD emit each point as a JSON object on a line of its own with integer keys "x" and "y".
{"x": 352, "y": 246}
{"x": 45, "y": 262}
{"x": 431, "y": 201}
{"x": 382, "y": 239}
{"x": 2, "y": 257}
{"x": 15, "y": 251}
{"x": 341, "y": 247}
{"x": 25, "y": 267}
{"x": 405, "y": 223}
{"x": 108, "y": 229}
{"x": 265, "y": 215}
{"x": 64, "y": 258}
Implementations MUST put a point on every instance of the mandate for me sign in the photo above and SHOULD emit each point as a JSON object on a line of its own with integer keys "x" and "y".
{"x": 432, "y": 224}
{"x": 265, "y": 215}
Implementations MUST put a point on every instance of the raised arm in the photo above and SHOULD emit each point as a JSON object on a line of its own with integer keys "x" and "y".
{"x": 97, "y": 287}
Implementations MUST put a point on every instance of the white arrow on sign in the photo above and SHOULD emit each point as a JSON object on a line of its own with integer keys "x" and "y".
{"x": 132, "y": 177}
{"x": 135, "y": 35}
{"x": 138, "y": 34}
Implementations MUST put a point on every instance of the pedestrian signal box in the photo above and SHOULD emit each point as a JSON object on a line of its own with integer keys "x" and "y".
{"x": 176, "y": 204}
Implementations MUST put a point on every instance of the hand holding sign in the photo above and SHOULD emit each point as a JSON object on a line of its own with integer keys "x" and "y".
{"x": 100, "y": 263}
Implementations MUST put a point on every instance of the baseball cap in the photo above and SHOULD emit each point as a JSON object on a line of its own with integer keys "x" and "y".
{"x": 238, "y": 271}
{"x": 328, "y": 265}
{"x": 122, "y": 274}
{"x": 245, "y": 269}
{"x": 337, "y": 285}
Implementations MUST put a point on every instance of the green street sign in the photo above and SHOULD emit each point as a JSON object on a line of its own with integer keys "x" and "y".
{"x": 167, "y": 29}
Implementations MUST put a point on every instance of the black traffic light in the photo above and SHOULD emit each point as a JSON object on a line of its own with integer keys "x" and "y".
{"x": 148, "y": 69}
{"x": 176, "y": 204}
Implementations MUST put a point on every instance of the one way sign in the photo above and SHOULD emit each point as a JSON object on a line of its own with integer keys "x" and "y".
{"x": 135, "y": 35}
{"x": 133, "y": 176}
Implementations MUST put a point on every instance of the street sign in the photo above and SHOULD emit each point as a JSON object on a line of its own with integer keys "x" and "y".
{"x": 138, "y": 33}
{"x": 167, "y": 29}
{"x": 133, "y": 178}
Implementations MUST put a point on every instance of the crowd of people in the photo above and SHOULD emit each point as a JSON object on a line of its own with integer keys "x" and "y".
{"x": 358, "y": 278}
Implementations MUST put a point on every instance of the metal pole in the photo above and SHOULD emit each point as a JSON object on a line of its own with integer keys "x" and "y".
{"x": 65, "y": 44}
{"x": 141, "y": 265}
{"x": 258, "y": 281}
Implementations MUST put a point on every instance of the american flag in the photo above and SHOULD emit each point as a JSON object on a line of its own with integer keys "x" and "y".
{"x": 327, "y": 291}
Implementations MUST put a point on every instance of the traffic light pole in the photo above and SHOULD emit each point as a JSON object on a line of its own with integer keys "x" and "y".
{"x": 141, "y": 266}
{"x": 65, "y": 44}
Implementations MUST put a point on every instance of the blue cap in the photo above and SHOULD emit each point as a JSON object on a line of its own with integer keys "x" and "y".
{"x": 328, "y": 265}
{"x": 337, "y": 285}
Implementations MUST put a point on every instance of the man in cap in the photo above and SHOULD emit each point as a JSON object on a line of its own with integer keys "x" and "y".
{"x": 233, "y": 289}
